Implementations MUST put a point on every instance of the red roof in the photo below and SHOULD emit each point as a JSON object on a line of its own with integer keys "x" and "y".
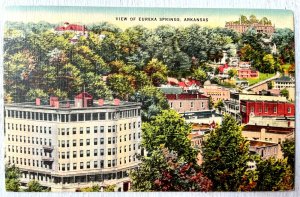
{"x": 181, "y": 84}
{"x": 83, "y": 95}
{"x": 221, "y": 68}
{"x": 72, "y": 27}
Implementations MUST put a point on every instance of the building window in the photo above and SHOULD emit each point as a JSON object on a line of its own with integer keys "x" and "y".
{"x": 74, "y": 143}
{"x": 87, "y": 142}
{"x": 74, "y": 154}
{"x": 88, "y": 153}
{"x": 74, "y": 130}
{"x": 95, "y": 164}
{"x": 81, "y": 165}
{"x": 95, "y": 141}
{"x": 109, "y": 163}
{"x": 109, "y": 151}
{"x": 252, "y": 109}
{"x": 88, "y": 165}
{"x": 101, "y": 140}
{"x": 81, "y": 130}
{"x": 192, "y": 104}
{"x": 95, "y": 152}
{"x": 95, "y": 129}
{"x": 101, "y": 152}
{"x": 275, "y": 109}
{"x": 109, "y": 140}
{"x": 289, "y": 110}
{"x": 266, "y": 109}
{"x": 88, "y": 130}
{"x": 74, "y": 166}
{"x": 81, "y": 142}
{"x": 109, "y": 129}
{"x": 81, "y": 153}
{"x": 101, "y": 129}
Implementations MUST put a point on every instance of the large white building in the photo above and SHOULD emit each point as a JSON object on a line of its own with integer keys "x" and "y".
{"x": 74, "y": 144}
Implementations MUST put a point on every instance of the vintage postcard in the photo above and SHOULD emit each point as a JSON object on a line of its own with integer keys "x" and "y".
{"x": 104, "y": 99}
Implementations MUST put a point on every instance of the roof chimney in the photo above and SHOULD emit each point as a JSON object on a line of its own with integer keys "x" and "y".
{"x": 100, "y": 102}
{"x": 116, "y": 101}
{"x": 37, "y": 101}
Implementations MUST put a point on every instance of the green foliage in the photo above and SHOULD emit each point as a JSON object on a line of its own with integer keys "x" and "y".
{"x": 157, "y": 72}
{"x": 153, "y": 102}
{"x": 200, "y": 75}
{"x": 232, "y": 73}
{"x": 219, "y": 105}
{"x": 274, "y": 175}
{"x": 110, "y": 188}
{"x": 288, "y": 149}
{"x": 170, "y": 130}
{"x": 94, "y": 188}
{"x": 120, "y": 86}
{"x": 284, "y": 92}
{"x": 170, "y": 164}
{"x": 225, "y": 154}
{"x": 12, "y": 178}
{"x": 34, "y": 186}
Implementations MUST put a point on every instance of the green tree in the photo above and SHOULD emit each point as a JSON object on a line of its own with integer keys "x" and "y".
{"x": 120, "y": 86}
{"x": 153, "y": 102}
{"x": 34, "y": 186}
{"x": 274, "y": 175}
{"x": 288, "y": 149}
{"x": 157, "y": 72}
{"x": 170, "y": 130}
{"x": 12, "y": 178}
{"x": 110, "y": 188}
{"x": 232, "y": 73}
{"x": 200, "y": 75}
{"x": 94, "y": 188}
{"x": 225, "y": 155}
{"x": 284, "y": 92}
{"x": 170, "y": 164}
{"x": 219, "y": 105}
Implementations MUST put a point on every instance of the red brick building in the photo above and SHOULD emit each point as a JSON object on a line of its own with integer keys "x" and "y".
{"x": 188, "y": 102}
{"x": 265, "y": 108}
{"x": 246, "y": 73}
{"x": 260, "y": 28}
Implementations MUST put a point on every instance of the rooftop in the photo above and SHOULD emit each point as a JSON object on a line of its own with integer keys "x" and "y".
{"x": 256, "y": 97}
{"x": 269, "y": 129}
{"x": 70, "y": 105}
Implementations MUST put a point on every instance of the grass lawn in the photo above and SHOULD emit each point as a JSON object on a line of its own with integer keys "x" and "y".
{"x": 262, "y": 76}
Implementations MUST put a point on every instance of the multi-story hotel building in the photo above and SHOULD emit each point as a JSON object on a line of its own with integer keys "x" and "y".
{"x": 260, "y": 28}
{"x": 74, "y": 144}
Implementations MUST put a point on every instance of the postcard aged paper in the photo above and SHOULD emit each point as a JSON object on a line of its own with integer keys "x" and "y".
{"x": 104, "y": 99}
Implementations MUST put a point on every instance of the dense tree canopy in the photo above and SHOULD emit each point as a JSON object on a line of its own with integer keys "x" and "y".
{"x": 225, "y": 155}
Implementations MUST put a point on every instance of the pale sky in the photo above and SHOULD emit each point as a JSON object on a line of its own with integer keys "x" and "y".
{"x": 88, "y": 15}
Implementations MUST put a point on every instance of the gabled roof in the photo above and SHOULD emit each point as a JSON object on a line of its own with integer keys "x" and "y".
{"x": 72, "y": 27}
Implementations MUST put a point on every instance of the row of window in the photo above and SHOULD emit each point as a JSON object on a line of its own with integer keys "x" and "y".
{"x": 32, "y": 140}
{"x": 110, "y": 151}
{"x": 100, "y": 129}
{"x": 72, "y": 117}
{"x": 29, "y": 128}
{"x": 192, "y": 104}
{"x": 267, "y": 108}
{"x": 110, "y": 140}
{"x": 28, "y": 162}
{"x": 28, "y": 150}
{"x": 95, "y": 164}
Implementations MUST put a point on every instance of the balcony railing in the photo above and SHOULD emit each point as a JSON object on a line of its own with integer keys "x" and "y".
{"x": 47, "y": 159}
{"x": 48, "y": 147}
